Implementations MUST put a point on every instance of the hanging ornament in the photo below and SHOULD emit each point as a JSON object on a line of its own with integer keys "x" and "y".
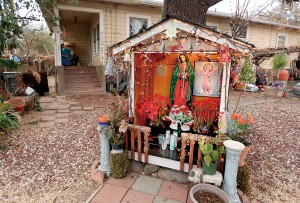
{"x": 171, "y": 32}
{"x": 161, "y": 70}
{"x": 198, "y": 33}
{"x": 127, "y": 57}
{"x": 109, "y": 69}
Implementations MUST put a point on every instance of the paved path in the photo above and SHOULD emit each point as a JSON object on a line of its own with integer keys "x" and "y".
{"x": 136, "y": 188}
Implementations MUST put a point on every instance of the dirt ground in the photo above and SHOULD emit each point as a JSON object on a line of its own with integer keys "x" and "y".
{"x": 52, "y": 164}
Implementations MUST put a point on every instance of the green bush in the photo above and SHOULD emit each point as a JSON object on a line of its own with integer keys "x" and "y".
{"x": 119, "y": 165}
{"x": 243, "y": 179}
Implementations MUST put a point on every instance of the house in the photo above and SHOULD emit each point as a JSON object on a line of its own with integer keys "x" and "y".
{"x": 90, "y": 27}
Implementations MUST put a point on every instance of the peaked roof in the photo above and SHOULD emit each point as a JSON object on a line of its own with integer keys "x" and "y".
{"x": 206, "y": 33}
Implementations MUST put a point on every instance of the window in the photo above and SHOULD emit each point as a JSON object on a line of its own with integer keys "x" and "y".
{"x": 96, "y": 43}
{"x": 281, "y": 40}
{"x": 214, "y": 27}
{"x": 137, "y": 24}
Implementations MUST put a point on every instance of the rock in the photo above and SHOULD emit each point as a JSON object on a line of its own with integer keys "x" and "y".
{"x": 150, "y": 168}
{"x": 155, "y": 174}
{"x": 174, "y": 176}
{"x": 136, "y": 166}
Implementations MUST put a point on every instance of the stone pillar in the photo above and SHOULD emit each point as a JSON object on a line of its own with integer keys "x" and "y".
{"x": 233, "y": 151}
{"x": 104, "y": 162}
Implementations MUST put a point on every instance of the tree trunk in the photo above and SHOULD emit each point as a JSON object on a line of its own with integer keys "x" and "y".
{"x": 193, "y": 11}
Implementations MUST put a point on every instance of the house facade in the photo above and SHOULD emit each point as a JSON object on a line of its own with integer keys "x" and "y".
{"x": 90, "y": 27}
{"x": 263, "y": 34}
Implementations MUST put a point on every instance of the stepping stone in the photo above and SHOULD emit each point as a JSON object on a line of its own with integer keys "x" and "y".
{"x": 48, "y": 118}
{"x": 133, "y": 196}
{"x": 62, "y": 115}
{"x": 159, "y": 199}
{"x": 147, "y": 184}
{"x": 88, "y": 108}
{"x": 110, "y": 193}
{"x": 61, "y": 120}
{"x": 46, "y": 124}
{"x": 49, "y": 112}
{"x": 126, "y": 182}
{"x": 63, "y": 111}
{"x": 173, "y": 191}
{"x": 75, "y": 108}
{"x": 79, "y": 112}
{"x": 64, "y": 106}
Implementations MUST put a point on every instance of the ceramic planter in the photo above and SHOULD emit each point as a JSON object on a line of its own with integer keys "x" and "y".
{"x": 211, "y": 169}
{"x": 117, "y": 148}
{"x": 210, "y": 189}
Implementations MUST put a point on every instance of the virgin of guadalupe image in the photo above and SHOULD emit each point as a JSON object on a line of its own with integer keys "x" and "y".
{"x": 182, "y": 82}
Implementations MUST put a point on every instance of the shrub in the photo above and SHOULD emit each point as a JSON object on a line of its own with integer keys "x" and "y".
{"x": 243, "y": 179}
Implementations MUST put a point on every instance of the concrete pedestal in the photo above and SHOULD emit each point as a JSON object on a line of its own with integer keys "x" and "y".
{"x": 233, "y": 151}
{"x": 104, "y": 161}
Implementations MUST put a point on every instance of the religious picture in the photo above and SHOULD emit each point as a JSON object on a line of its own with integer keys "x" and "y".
{"x": 207, "y": 79}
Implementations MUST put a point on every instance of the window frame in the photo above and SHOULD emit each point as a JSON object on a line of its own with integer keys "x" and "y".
{"x": 96, "y": 38}
{"x": 131, "y": 15}
{"x": 285, "y": 40}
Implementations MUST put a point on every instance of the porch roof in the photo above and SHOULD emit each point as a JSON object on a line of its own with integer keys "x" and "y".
{"x": 154, "y": 3}
{"x": 190, "y": 30}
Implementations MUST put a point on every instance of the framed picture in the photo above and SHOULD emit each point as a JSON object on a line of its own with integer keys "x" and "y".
{"x": 207, "y": 79}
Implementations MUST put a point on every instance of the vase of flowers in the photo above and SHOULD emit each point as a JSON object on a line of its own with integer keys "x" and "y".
{"x": 180, "y": 116}
{"x": 205, "y": 113}
{"x": 238, "y": 127}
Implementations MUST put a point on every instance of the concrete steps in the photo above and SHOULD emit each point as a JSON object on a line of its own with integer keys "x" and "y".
{"x": 82, "y": 80}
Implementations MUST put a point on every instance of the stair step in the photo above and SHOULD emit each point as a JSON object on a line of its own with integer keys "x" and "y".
{"x": 83, "y": 84}
{"x": 71, "y": 71}
{"x": 81, "y": 75}
{"x": 81, "y": 79}
{"x": 84, "y": 91}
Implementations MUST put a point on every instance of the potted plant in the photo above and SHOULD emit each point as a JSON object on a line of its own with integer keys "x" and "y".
{"x": 8, "y": 122}
{"x": 214, "y": 194}
{"x": 205, "y": 113}
{"x": 155, "y": 108}
{"x": 117, "y": 120}
{"x": 279, "y": 62}
{"x": 211, "y": 151}
{"x": 237, "y": 128}
{"x": 247, "y": 74}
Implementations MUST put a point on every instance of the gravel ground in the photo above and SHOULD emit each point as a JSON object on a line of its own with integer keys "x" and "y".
{"x": 274, "y": 158}
{"x": 53, "y": 164}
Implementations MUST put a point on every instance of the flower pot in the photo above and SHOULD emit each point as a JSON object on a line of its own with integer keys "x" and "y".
{"x": 209, "y": 189}
{"x": 283, "y": 75}
{"x": 117, "y": 148}
{"x": 18, "y": 104}
{"x": 243, "y": 155}
{"x": 211, "y": 169}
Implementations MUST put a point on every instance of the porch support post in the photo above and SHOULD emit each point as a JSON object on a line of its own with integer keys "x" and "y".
{"x": 102, "y": 55}
{"x": 233, "y": 151}
{"x": 224, "y": 97}
{"x": 61, "y": 87}
{"x": 57, "y": 47}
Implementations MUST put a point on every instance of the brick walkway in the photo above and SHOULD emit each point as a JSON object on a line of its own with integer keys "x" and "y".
{"x": 136, "y": 188}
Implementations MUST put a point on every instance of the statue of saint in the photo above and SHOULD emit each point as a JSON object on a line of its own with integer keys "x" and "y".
{"x": 182, "y": 82}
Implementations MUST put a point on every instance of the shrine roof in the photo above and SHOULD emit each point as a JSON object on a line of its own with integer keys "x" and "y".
{"x": 191, "y": 30}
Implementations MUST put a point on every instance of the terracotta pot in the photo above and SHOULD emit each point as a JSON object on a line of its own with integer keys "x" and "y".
{"x": 243, "y": 155}
{"x": 283, "y": 75}
{"x": 18, "y": 104}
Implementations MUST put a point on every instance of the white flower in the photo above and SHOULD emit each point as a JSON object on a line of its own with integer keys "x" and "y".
{"x": 123, "y": 126}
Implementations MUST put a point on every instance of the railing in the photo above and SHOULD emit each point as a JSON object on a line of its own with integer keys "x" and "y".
{"x": 141, "y": 134}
